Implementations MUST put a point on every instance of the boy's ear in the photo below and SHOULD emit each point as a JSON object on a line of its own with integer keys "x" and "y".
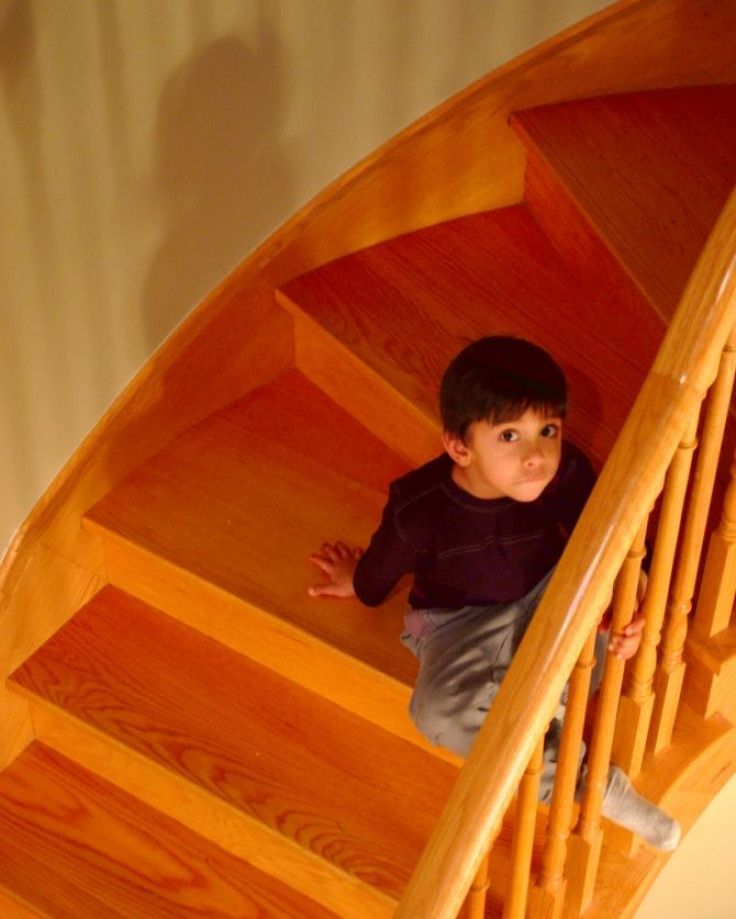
{"x": 456, "y": 448}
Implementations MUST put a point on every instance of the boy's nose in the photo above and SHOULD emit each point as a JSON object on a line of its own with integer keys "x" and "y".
{"x": 534, "y": 455}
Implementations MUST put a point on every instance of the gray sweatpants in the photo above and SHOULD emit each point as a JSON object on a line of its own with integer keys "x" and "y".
{"x": 463, "y": 656}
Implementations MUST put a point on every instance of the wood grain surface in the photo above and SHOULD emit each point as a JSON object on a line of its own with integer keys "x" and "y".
{"x": 73, "y": 846}
{"x": 282, "y": 755}
{"x": 244, "y": 498}
{"x": 650, "y": 171}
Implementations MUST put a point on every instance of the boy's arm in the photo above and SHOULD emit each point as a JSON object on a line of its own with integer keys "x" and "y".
{"x": 338, "y": 561}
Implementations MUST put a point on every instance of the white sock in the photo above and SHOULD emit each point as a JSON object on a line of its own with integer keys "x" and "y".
{"x": 625, "y": 806}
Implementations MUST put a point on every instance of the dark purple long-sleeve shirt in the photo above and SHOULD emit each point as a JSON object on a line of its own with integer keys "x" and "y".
{"x": 468, "y": 551}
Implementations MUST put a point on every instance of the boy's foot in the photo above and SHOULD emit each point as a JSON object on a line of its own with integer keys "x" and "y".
{"x": 625, "y": 806}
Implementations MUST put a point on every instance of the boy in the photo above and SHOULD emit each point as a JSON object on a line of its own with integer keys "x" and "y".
{"x": 481, "y": 528}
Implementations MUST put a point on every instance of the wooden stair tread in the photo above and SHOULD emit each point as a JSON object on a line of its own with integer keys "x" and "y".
{"x": 243, "y": 499}
{"x": 405, "y": 307}
{"x": 651, "y": 171}
{"x": 72, "y": 845}
{"x": 345, "y": 790}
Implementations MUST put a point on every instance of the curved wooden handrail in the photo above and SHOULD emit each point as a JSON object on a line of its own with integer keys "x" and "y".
{"x": 628, "y": 486}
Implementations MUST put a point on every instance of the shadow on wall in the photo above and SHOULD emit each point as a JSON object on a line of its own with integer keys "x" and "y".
{"x": 21, "y": 96}
{"x": 218, "y": 172}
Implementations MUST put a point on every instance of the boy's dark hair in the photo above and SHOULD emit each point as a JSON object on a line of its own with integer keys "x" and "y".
{"x": 497, "y": 379}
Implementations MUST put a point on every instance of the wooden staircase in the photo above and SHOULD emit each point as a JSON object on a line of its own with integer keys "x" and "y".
{"x": 208, "y": 740}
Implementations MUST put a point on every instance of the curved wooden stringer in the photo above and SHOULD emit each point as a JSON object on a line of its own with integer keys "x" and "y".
{"x": 185, "y": 729}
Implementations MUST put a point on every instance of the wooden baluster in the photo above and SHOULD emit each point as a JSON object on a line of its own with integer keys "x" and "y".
{"x": 669, "y": 680}
{"x": 671, "y": 670}
{"x": 474, "y": 906}
{"x": 711, "y": 674}
{"x": 475, "y": 902}
{"x": 715, "y": 604}
{"x": 524, "y": 828}
{"x": 585, "y": 844}
{"x": 636, "y": 706}
{"x": 715, "y": 601}
{"x": 547, "y": 896}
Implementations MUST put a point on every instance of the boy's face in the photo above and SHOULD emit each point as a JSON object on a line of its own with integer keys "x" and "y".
{"x": 515, "y": 459}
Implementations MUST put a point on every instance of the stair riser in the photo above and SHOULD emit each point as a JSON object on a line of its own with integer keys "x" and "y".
{"x": 59, "y": 588}
{"x": 586, "y": 254}
{"x": 355, "y": 386}
{"x": 653, "y": 189}
{"x": 211, "y": 818}
{"x": 16, "y": 729}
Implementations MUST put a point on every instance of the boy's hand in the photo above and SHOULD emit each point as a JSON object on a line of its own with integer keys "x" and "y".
{"x": 338, "y": 561}
{"x": 625, "y": 644}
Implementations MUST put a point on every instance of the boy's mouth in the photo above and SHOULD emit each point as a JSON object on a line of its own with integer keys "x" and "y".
{"x": 530, "y": 479}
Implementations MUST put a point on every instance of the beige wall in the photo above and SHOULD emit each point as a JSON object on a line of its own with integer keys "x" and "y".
{"x": 699, "y": 880}
{"x": 147, "y": 145}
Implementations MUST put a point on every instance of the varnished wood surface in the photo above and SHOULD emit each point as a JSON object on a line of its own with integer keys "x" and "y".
{"x": 74, "y": 847}
{"x": 271, "y": 640}
{"x": 211, "y": 817}
{"x": 612, "y": 294}
{"x": 710, "y": 678}
{"x": 407, "y": 306}
{"x": 282, "y": 755}
{"x": 243, "y": 499}
{"x": 651, "y": 171}
{"x": 14, "y": 908}
{"x": 409, "y": 430}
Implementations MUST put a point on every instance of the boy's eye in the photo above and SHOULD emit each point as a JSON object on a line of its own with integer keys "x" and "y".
{"x": 509, "y": 436}
{"x": 550, "y": 430}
